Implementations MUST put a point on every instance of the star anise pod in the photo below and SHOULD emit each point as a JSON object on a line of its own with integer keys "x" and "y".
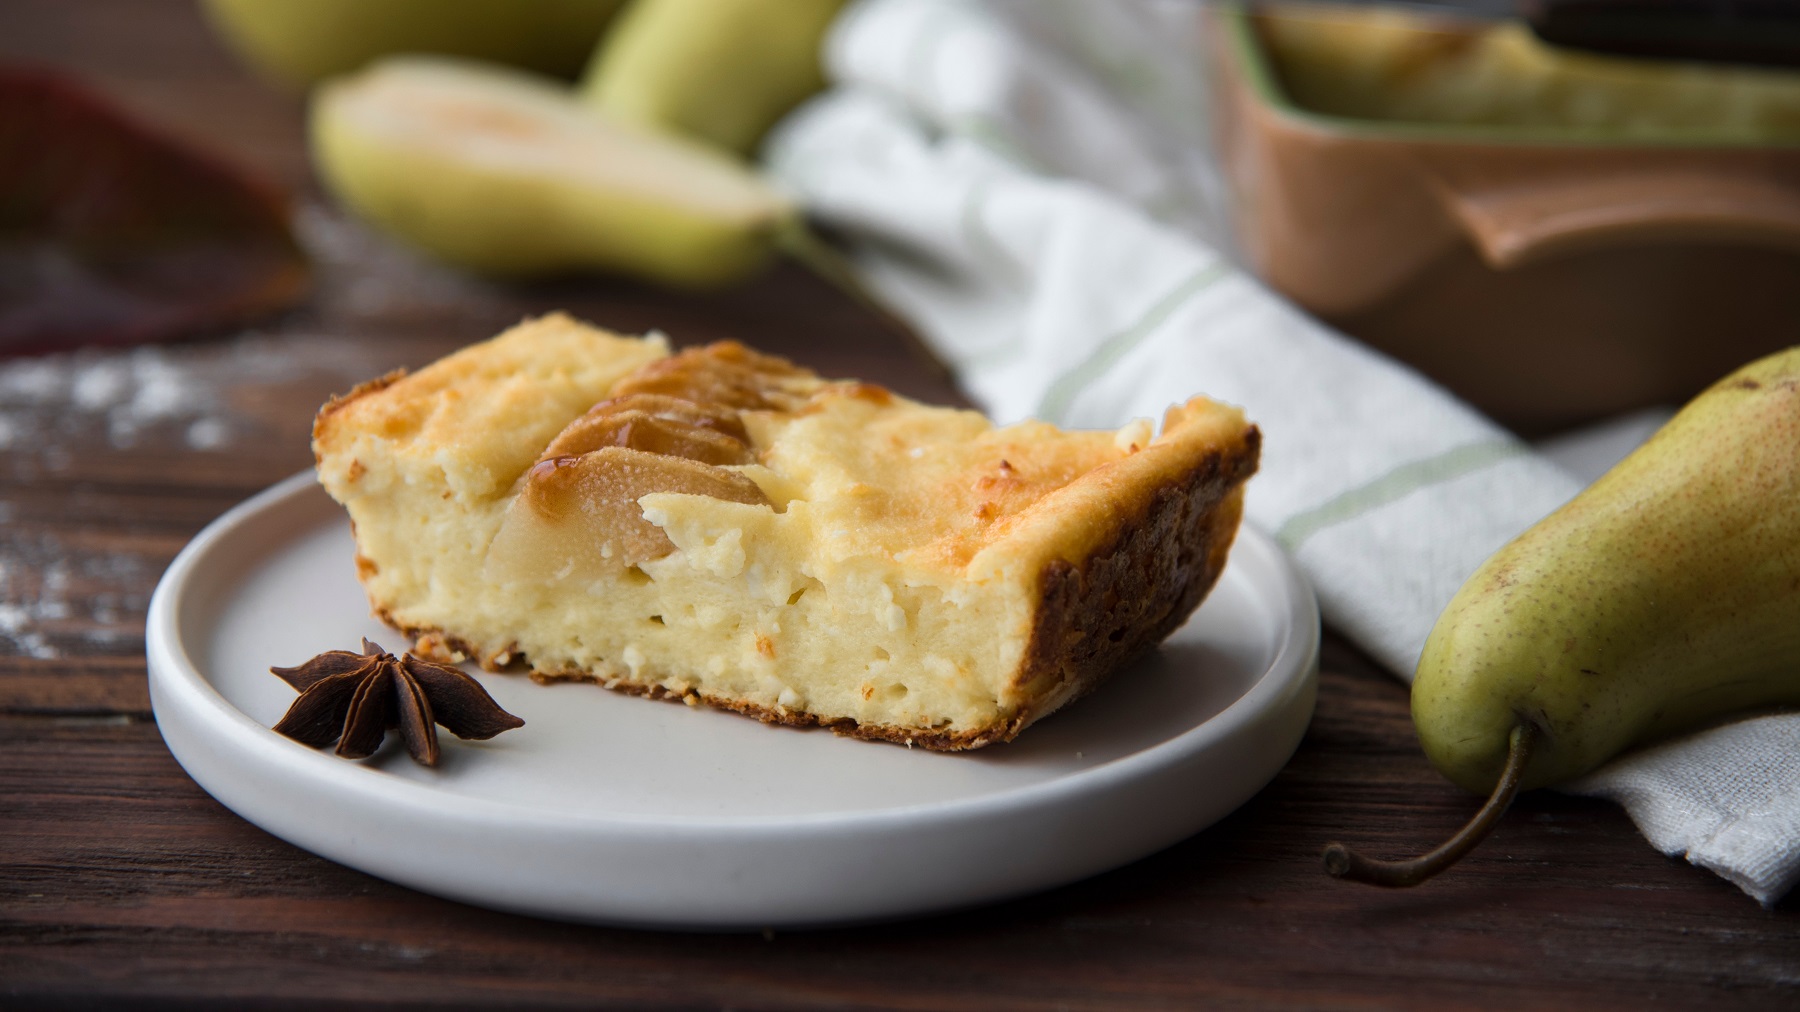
{"x": 354, "y": 699}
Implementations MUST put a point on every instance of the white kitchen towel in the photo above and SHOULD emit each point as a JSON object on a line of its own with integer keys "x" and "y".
{"x": 1027, "y": 183}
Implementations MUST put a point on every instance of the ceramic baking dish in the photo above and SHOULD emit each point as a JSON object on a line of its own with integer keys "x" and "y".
{"x": 1549, "y": 277}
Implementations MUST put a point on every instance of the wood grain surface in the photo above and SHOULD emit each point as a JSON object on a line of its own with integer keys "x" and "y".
{"x": 122, "y": 884}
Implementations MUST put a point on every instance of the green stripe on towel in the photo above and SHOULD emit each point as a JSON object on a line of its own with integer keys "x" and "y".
{"x": 1401, "y": 481}
{"x": 1070, "y": 385}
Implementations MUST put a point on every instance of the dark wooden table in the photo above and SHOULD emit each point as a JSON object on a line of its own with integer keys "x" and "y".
{"x": 122, "y": 883}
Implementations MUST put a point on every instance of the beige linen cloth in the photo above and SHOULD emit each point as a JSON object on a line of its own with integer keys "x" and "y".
{"x": 1028, "y": 183}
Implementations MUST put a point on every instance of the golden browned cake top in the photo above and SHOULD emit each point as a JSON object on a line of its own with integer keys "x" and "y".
{"x": 870, "y": 473}
{"x": 480, "y": 416}
{"x": 886, "y": 476}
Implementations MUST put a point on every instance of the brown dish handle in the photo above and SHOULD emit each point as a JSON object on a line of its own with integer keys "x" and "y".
{"x": 1521, "y": 206}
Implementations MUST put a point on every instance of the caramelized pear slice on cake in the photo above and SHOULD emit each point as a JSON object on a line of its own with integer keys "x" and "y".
{"x": 578, "y": 515}
{"x": 652, "y": 434}
{"x": 602, "y": 425}
{"x": 728, "y": 377}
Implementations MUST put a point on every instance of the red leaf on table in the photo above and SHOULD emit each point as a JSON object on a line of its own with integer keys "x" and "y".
{"x": 111, "y": 233}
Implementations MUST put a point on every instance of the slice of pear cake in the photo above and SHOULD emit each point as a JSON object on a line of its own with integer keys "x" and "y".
{"x": 727, "y": 528}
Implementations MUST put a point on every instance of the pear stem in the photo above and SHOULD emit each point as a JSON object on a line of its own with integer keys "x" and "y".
{"x": 1342, "y": 862}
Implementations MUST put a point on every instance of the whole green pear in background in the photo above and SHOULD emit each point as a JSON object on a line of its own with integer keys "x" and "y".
{"x": 506, "y": 173}
{"x": 723, "y": 70}
{"x": 299, "y": 42}
{"x": 1665, "y": 595}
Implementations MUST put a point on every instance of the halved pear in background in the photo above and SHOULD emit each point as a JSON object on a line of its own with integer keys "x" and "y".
{"x": 300, "y": 42}
{"x": 502, "y": 172}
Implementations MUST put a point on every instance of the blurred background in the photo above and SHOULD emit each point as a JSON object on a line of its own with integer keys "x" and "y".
{"x": 1559, "y": 231}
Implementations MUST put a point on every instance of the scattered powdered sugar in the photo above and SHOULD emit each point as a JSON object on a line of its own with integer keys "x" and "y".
{"x": 49, "y": 404}
{"x": 61, "y": 591}
{"x": 45, "y": 402}
{"x": 64, "y": 591}
{"x": 55, "y": 592}
{"x": 29, "y": 601}
{"x": 371, "y": 275}
{"x": 31, "y": 381}
{"x": 19, "y": 618}
{"x": 99, "y": 387}
{"x": 208, "y": 434}
{"x": 14, "y": 626}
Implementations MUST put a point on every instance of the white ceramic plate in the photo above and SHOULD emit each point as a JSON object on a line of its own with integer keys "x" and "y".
{"x": 614, "y": 809}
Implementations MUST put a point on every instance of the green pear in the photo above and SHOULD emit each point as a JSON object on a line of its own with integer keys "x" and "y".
{"x": 505, "y": 173}
{"x": 1664, "y": 596}
{"x": 299, "y": 42}
{"x": 723, "y": 70}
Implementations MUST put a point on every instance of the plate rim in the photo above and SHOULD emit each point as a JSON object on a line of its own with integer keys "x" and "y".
{"x": 176, "y": 680}
{"x": 163, "y": 637}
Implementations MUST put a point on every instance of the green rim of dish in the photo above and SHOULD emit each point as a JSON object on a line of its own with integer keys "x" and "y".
{"x": 1260, "y": 74}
